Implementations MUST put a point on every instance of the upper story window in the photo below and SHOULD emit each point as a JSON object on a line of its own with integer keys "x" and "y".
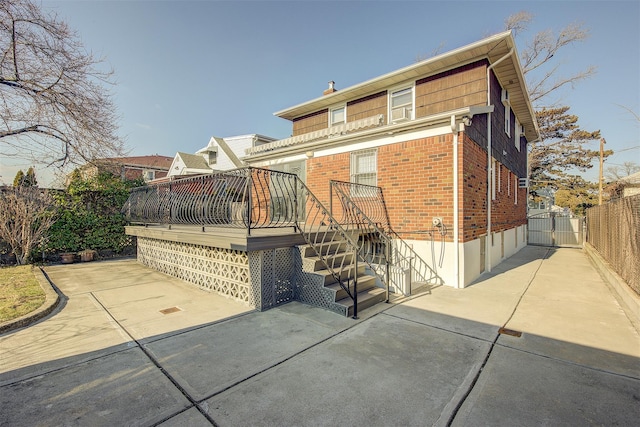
{"x": 337, "y": 116}
{"x": 149, "y": 175}
{"x": 401, "y": 105}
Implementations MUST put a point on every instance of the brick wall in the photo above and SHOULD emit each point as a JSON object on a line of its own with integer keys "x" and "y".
{"x": 474, "y": 189}
{"x": 417, "y": 181}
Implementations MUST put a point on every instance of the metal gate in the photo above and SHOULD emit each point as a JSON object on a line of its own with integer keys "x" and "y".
{"x": 556, "y": 229}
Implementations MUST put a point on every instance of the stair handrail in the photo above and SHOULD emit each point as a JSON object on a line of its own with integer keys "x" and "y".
{"x": 400, "y": 250}
{"x": 349, "y": 208}
{"x": 325, "y": 226}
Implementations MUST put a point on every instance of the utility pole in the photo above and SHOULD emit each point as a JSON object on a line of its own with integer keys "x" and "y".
{"x": 602, "y": 142}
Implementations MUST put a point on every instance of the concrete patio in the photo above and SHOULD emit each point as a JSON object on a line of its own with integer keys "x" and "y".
{"x": 131, "y": 346}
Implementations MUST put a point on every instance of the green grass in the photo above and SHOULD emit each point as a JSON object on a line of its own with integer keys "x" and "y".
{"x": 20, "y": 292}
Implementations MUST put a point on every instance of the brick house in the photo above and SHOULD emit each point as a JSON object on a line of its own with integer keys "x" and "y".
{"x": 446, "y": 140}
{"x": 134, "y": 167}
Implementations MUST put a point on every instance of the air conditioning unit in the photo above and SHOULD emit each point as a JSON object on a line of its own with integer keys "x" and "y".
{"x": 400, "y": 114}
{"x": 523, "y": 182}
{"x": 505, "y": 97}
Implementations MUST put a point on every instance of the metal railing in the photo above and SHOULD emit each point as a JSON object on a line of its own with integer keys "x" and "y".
{"x": 363, "y": 207}
{"x": 613, "y": 229}
{"x": 324, "y": 233}
{"x": 246, "y": 198}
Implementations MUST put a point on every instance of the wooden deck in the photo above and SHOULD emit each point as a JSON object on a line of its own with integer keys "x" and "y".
{"x": 221, "y": 237}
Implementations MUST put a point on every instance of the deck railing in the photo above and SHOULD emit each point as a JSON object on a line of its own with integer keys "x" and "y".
{"x": 246, "y": 198}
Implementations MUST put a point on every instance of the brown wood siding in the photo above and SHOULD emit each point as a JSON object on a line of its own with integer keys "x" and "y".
{"x": 462, "y": 87}
{"x": 311, "y": 122}
{"x": 369, "y": 106}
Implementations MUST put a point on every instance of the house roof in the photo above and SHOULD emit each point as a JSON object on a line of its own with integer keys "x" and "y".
{"x": 193, "y": 161}
{"x": 154, "y": 161}
{"x": 634, "y": 178}
{"x": 494, "y": 48}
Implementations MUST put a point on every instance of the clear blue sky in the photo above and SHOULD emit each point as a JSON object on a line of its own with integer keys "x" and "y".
{"x": 187, "y": 70}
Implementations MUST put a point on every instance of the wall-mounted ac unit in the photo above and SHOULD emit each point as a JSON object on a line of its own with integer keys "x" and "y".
{"x": 505, "y": 97}
{"x": 400, "y": 114}
{"x": 523, "y": 182}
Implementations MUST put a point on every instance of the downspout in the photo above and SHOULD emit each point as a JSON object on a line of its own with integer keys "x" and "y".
{"x": 456, "y": 228}
{"x": 489, "y": 156}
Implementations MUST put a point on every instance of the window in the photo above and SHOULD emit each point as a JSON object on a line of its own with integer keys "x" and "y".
{"x": 519, "y": 133}
{"x": 364, "y": 167}
{"x": 507, "y": 120}
{"x": 337, "y": 116}
{"x": 149, "y": 175}
{"x": 401, "y": 102}
{"x": 515, "y": 190}
{"x": 493, "y": 178}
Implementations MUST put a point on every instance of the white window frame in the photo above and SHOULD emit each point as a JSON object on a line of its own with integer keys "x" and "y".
{"x": 410, "y": 105}
{"x": 515, "y": 190}
{"x": 371, "y": 168}
{"x": 148, "y": 172}
{"x": 342, "y": 107}
{"x": 507, "y": 120}
{"x": 493, "y": 178}
{"x": 516, "y": 140}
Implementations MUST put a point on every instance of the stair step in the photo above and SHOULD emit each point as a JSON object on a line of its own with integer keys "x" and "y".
{"x": 346, "y": 273}
{"x": 334, "y": 246}
{"x": 366, "y": 299}
{"x": 336, "y": 260}
{"x": 365, "y": 282}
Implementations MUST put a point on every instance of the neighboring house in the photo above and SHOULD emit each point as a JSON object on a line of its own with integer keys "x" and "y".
{"x": 446, "y": 140}
{"x": 146, "y": 167}
{"x": 625, "y": 187}
{"x": 213, "y": 157}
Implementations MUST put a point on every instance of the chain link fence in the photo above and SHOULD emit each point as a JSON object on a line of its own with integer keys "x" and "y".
{"x": 613, "y": 229}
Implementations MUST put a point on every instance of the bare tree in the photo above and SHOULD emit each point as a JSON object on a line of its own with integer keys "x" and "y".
{"x": 617, "y": 172}
{"x": 539, "y": 51}
{"x": 54, "y": 105}
{"x": 26, "y": 214}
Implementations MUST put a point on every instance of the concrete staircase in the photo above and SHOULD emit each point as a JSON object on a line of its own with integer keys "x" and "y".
{"x": 328, "y": 292}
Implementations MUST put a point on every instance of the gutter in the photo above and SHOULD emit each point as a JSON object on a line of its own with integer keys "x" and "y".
{"x": 489, "y": 157}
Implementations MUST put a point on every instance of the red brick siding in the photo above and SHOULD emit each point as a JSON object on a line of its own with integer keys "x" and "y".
{"x": 505, "y": 214}
{"x": 417, "y": 182}
{"x": 473, "y": 205}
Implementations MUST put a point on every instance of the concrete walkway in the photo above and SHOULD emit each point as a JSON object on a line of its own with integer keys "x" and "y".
{"x": 131, "y": 346}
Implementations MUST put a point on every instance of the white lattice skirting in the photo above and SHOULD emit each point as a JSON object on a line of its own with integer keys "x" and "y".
{"x": 225, "y": 271}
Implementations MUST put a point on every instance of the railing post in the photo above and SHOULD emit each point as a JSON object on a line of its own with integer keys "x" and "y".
{"x": 388, "y": 267}
{"x": 249, "y": 187}
{"x": 331, "y": 197}
{"x": 355, "y": 283}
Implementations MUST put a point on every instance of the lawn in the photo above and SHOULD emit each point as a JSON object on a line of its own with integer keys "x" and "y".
{"x": 20, "y": 292}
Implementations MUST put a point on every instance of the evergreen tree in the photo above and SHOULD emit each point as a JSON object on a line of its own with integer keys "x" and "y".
{"x": 19, "y": 178}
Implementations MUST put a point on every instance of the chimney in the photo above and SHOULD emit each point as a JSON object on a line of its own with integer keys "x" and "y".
{"x": 331, "y": 88}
